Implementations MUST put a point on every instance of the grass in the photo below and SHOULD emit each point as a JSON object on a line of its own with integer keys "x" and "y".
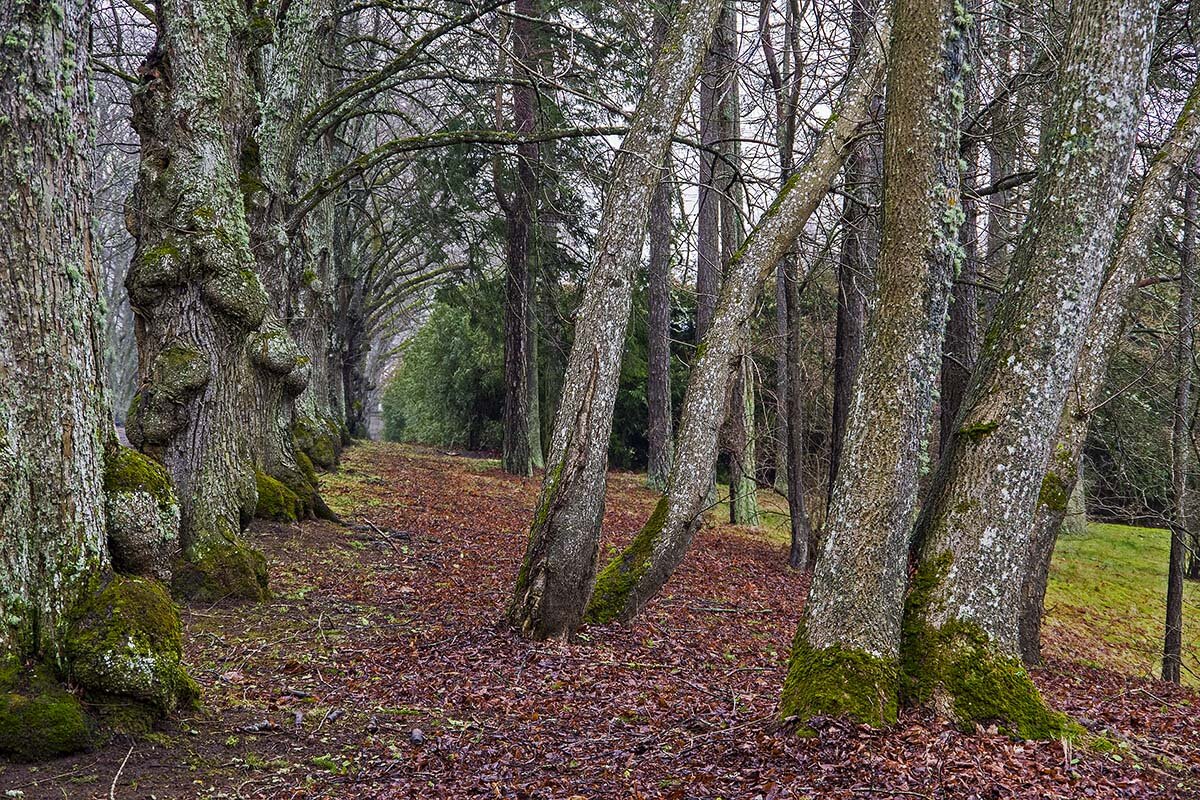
{"x": 1106, "y": 602}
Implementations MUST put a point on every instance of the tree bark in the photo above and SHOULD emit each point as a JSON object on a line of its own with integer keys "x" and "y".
{"x": 859, "y": 252}
{"x": 961, "y": 634}
{"x": 850, "y": 634}
{"x": 522, "y": 246}
{"x": 193, "y": 285}
{"x": 642, "y": 568}
{"x": 560, "y": 560}
{"x": 1180, "y": 442}
{"x": 1105, "y": 330}
{"x": 658, "y": 359}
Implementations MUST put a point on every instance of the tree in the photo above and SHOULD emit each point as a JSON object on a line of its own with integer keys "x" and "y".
{"x": 1105, "y": 330}
{"x": 844, "y": 658}
{"x": 658, "y": 368}
{"x": 960, "y": 631}
{"x": 559, "y": 566}
{"x": 1180, "y": 441}
{"x": 193, "y": 284}
{"x": 64, "y": 481}
{"x": 638, "y": 572}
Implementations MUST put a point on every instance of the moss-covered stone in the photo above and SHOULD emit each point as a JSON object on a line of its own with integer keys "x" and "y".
{"x": 962, "y": 674}
{"x": 126, "y": 641}
{"x": 226, "y": 569}
{"x": 610, "y": 597}
{"x": 142, "y": 514}
{"x": 838, "y": 682}
{"x": 127, "y": 470}
{"x": 276, "y": 501}
{"x": 39, "y": 719}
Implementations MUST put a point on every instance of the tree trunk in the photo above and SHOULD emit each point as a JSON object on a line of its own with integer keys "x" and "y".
{"x": 1105, "y": 330}
{"x": 193, "y": 285}
{"x": 64, "y": 481}
{"x": 642, "y": 568}
{"x": 802, "y": 546}
{"x": 560, "y": 561}
{"x": 522, "y": 247}
{"x": 1180, "y": 442}
{"x": 961, "y": 634}
{"x": 859, "y": 252}
{"x": 850, "y": 634}
{"x": 658, "y": 359}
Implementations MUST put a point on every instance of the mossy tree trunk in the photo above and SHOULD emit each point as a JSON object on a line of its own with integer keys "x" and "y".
{"x": 845, "y": 653}
{"x": 641, "y": 569}
{"x": 560, "y": 560}
{"x": 193, "y": 284}
{"x": 1105, "y": 331}
{"x": 54, "y": 416}
{"x": 961, "y": 633}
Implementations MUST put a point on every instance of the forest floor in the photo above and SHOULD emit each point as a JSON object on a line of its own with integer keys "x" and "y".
{"x": 380, "y": 670}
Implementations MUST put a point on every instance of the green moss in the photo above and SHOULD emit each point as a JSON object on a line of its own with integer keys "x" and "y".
{"x": 227, "y": 568}
{"x": 125, "y": 641}
{"x": 836, "y": 681}
{"x": 178, "y": 371}
{"x": 318, "y": 442}
{"x": 306, "y": 467}
{"x": 958, "y": 669}
{"x": 621, "y": 575}
{"x": 276, "y": 501}
{"x": 239, "y": 294}
{"x": 38, "y": 718}
{"x": 1054, "y": 494}
{"x": 978, "y": 430}
{"x": 127, "y": 470}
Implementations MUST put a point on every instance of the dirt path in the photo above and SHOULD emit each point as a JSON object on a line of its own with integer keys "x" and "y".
{"x": 379, "y": 670}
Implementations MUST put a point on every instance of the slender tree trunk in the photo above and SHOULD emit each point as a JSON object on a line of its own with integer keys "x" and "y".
{"x": 556, "y": 577}
{"x": 802, "y": 546}
{"x": 522, "y": 246}
{"x": 642, "y": 568}
{"x": 850, "y": 634}
{"x": 1180, "y": 442}
{"x": 713, "y": 85}
{"x": 859, "y": 252}
{"x": 961, "y": 633}
{"x": 658, "y": 364}
{"x": 1105, "y": 330}
{"x": 193, "y": 285}
{"x": 962, "y": 326}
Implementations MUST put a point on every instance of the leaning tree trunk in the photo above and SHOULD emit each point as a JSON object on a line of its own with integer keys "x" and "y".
{"x": 845, "y": 652}
{"x": 642, "y": 568}
{"x": 1180, "y": 444}
{"x": 658, "y": 358}
{"x": 522, "y": 246}
{"x": 960, "y": 645}
{"x": 193, "y": 286}
{"x": 560, "y": 560}
{"x": 65, "y": 484}
{"x": 1105, "y": 331}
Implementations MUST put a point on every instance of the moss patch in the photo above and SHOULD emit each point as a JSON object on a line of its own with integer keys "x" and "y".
{"x": 127, "y": 470}
{"x": 225, "y": 569}
{"x": 957, "y": 669}
{"x": 1054, "y": 494}
{"x": 317, "y": 442}
{"x": 835, "y": 681}
{"x": 276, "y": 501}
{"x": 38, "y": 718}
{"x": 610, "y": 597}
{"x": 125, "y": 641}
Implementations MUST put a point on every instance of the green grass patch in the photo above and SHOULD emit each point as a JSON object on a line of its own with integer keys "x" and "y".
{"x": 1106, "y": 601}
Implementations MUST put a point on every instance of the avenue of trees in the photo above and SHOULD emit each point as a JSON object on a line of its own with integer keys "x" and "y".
{"x": 924, "y": 269}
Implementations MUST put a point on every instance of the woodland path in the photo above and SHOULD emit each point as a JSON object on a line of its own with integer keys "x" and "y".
{"x": 380, "y": 670}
